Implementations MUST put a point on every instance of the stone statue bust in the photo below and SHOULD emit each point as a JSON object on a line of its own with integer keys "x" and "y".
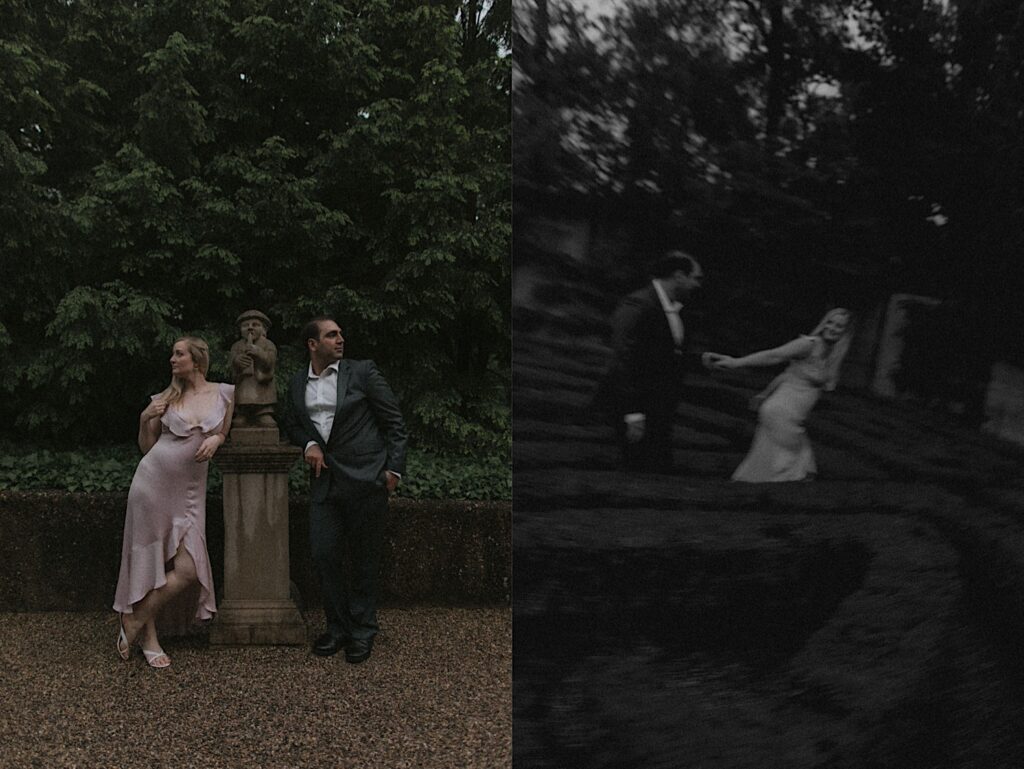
{"x": 252, "y": 360}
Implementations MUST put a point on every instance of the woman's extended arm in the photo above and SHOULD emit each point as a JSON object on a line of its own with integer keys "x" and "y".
{"x": 213, "y": 442}
{"x": 798, "y": 348}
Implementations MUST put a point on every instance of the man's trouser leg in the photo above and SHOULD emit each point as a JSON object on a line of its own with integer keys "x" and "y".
{"x": 364, "y": 534}
{"x": 326, "y": 531}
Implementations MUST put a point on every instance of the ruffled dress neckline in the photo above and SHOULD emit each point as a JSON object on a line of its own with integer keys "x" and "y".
{"x": 174, "y": 421}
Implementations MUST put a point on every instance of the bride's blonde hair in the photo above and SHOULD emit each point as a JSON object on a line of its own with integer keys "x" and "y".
{"x": 835, "y": 357}
{"x": 200, "y": 352}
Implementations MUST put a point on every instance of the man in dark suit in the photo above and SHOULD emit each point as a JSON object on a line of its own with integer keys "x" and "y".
{"x": 346, "y": 419}
{"x": 652, "y": 332}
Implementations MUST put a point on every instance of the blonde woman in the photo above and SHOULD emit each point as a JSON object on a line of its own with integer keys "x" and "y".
{"x": 781, "y": 450}
{"x": 164, "y": 549}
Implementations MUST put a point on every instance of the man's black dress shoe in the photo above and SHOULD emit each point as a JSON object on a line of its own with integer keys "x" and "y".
{"x": 328, "y": 644}
{"x": 358, "y": 649}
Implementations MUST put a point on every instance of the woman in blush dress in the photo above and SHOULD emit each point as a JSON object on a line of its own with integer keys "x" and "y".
{"x": 781, "y": 450}
{"x": 164, "y": 549}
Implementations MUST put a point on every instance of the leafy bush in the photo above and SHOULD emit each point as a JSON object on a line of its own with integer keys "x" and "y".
{"x": 427, "y": 476}
{"x": 176, "y": 164}
{"x": 442, "y": 476}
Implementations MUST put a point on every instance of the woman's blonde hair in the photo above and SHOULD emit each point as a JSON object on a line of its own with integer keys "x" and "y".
{"x": 200, "y": 352}
{"x": 835, "y": 357}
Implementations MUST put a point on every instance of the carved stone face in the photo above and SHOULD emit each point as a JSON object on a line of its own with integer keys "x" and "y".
{"x": 253, "y": 326}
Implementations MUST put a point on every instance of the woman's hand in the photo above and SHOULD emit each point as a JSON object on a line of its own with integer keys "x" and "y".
{"x": 717, "y": 362}
{"x": 209, "y": 447}
{"x": 154, "y": 410}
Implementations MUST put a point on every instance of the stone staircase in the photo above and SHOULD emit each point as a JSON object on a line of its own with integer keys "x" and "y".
{"x": 871, "y": 618}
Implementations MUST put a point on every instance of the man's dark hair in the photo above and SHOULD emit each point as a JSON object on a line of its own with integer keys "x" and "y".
{"x": 672, "y": 261}
{"x": 312, "y": 329}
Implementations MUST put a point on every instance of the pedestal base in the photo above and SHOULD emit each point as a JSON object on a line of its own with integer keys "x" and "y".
{"x": 257, "y": 622}
{"x": 253, "y": 436}
{"x": 256, "y": 608}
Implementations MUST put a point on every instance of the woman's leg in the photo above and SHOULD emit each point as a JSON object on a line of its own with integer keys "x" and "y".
{"x": 143, "y": 617}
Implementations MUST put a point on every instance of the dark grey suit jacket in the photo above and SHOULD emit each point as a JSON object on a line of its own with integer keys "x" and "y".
{"x": 368, "y": 435}
{"x": 645, "y": 371}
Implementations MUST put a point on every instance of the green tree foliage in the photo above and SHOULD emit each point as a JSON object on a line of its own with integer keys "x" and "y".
{"x": 168, "y": 165}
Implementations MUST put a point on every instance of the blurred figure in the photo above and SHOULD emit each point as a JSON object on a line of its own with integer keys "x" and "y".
{"x": 651, "y": 333}
{"x": 781, "y": 450}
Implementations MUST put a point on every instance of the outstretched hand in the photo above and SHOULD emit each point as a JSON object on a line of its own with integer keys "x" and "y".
{"x": 717, "y": 362}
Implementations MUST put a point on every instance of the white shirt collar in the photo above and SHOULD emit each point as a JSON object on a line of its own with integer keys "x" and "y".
{"x": 331, "y": 368}
{"x": 666, "y": 304}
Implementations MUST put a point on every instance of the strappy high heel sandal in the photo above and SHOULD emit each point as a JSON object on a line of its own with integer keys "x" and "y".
{"x": 124, "y": 649}
{"x": 153, "y": 659}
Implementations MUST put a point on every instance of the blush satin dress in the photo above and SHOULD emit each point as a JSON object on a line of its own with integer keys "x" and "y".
{"x": 167, "y": 507}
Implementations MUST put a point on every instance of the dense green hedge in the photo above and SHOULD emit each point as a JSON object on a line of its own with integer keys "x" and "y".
{"x": 427, "y": 476}
{"x": 165, "y": 166}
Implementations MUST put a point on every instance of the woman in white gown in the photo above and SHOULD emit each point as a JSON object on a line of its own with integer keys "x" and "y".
{"x": 781, "y": 450}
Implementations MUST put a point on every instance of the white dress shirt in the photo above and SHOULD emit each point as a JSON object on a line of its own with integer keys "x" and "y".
{"x": 322, "y": 400}
{"x": 671, "y": 308}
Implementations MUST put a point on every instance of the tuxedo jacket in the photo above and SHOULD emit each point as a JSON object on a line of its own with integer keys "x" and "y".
{"x": 645, "y": 372}
{"x": 368, "y": 435}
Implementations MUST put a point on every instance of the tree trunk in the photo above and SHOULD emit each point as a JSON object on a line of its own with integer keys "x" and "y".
{"x": 542, "y": 23}
{"x": 776, "y": 85}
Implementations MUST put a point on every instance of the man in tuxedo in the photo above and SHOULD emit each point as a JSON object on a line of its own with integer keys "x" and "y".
{"x": 651, "y": 339}
{"x": 347, "y": 420}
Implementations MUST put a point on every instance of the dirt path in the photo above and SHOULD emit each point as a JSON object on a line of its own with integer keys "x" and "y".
{"x": 872, "y": 618}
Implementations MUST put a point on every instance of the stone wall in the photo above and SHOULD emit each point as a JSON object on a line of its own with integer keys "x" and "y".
{"x": 890, "y": 343}
{"x": 1004, "y": 403}
{"x": 61, "y": 551}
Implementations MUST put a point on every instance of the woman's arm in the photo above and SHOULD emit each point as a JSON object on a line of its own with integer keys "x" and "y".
{"x": 798, "y": 348}
{"x": 213, "y": 442}
{"x": 149, "y": 424}
{"x": 225, "y": 426}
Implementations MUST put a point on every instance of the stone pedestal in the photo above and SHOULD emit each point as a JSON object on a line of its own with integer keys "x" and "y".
{"x": 890, "y": 345}
{"x": 256, "y": 607}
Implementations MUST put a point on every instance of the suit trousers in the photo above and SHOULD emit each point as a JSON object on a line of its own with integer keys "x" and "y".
{"x": 352, "y": 527}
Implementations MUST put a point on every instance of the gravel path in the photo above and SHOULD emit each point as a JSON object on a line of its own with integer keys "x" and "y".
{"x": 436, "y": 693}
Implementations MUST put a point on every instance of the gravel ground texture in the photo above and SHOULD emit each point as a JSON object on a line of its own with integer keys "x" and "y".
{"x": 437, "y": 693}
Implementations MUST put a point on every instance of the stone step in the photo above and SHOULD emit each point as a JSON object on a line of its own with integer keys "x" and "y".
{"x": 786, "y": 626}
{"x": 537, "y": 430}
{"x": 542, "y": 490}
